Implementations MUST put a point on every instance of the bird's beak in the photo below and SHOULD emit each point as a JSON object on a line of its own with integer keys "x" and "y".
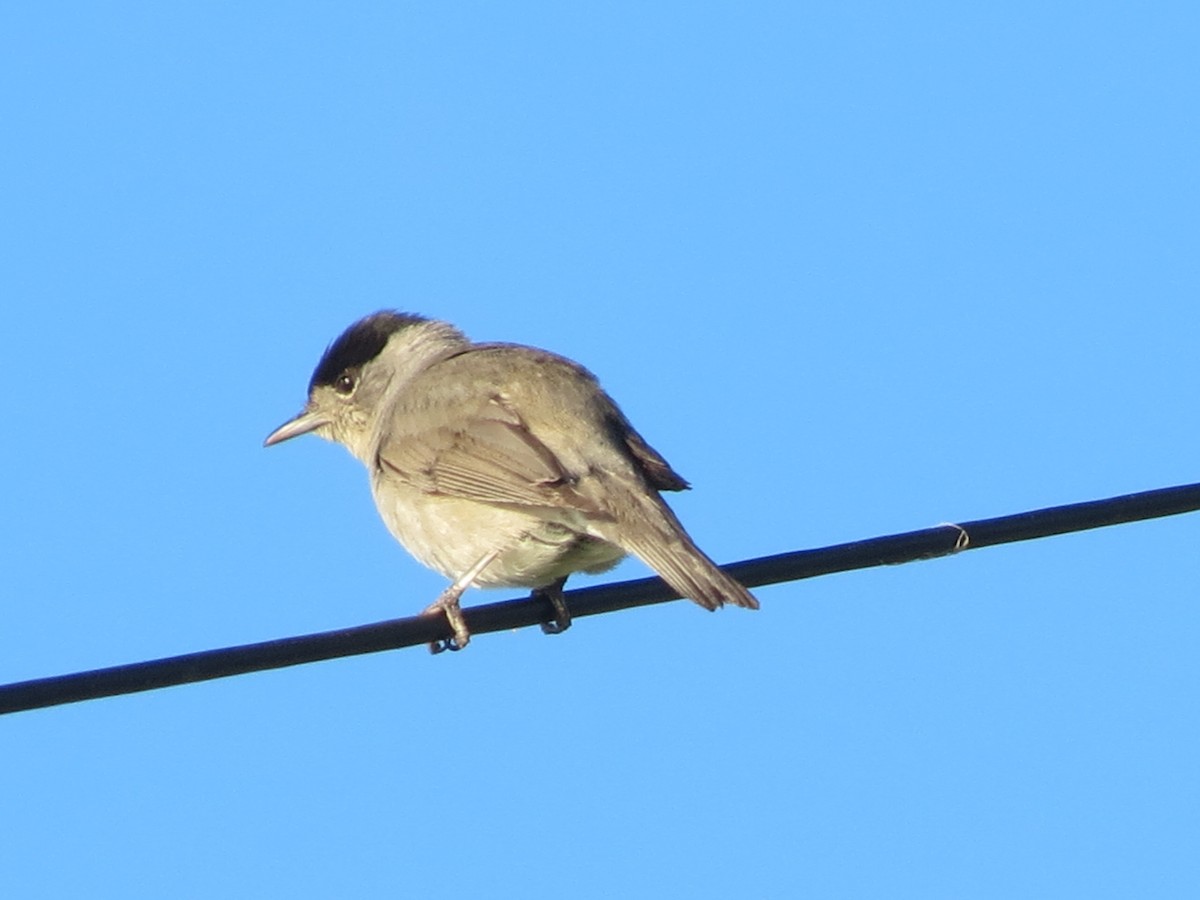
{"x": 308, "y": 420}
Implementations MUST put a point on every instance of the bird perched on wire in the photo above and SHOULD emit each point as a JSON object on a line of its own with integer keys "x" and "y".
{"x": 500, "y": 465}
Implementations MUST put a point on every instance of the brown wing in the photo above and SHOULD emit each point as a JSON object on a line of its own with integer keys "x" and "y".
{"x": 489, "y": 455}
{"x": 656, "y": 469}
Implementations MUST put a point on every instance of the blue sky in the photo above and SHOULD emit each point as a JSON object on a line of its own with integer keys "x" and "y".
{"x": 853, "y": 268}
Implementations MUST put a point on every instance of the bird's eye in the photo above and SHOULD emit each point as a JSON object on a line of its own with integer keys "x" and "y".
{"x": 345, "y": 383}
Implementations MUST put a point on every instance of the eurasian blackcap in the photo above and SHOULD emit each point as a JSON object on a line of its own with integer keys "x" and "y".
{"x": 499, "y": 464}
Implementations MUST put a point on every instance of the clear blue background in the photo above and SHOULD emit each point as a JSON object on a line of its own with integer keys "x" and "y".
{"x": 854, "y": 268}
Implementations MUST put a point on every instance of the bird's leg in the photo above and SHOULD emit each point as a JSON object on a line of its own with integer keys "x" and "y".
{"x": 562, "y": 615}
{"x": 447, "y": 603}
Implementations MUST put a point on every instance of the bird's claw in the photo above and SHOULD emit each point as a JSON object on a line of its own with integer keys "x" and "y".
{"x": 447, "y": 604}
{"x": 449, "y": 643}
{"x": 562, "y": 615}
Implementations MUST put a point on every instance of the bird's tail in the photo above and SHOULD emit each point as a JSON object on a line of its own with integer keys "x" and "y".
{"x": 656, "y": 536}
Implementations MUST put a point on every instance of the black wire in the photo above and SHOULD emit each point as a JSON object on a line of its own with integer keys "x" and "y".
{"x": 899, "y": 548}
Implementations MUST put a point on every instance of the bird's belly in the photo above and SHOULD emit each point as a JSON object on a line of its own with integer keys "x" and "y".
{"x": 451, "y": 535}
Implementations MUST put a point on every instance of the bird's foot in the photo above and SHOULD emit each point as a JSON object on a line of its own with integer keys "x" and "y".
{"x": 562, "y": 615}
{"x": 447, "y": 604}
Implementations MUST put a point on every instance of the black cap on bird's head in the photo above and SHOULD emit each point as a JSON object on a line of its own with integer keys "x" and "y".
{"x": 335, "y": 403}
{"x": 359, "y": 344}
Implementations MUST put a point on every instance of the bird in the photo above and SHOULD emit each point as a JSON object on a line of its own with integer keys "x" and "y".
{"x": 500, "y": 465}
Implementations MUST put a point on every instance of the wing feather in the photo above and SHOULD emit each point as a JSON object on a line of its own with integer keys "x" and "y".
{"x": 491, "y": 456}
